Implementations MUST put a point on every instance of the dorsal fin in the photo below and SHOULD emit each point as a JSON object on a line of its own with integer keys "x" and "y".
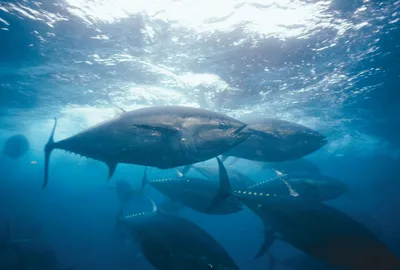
{"x": 118, "y": 107}
{"x": 180, "y": 174}
{"x": 268, "y": 241}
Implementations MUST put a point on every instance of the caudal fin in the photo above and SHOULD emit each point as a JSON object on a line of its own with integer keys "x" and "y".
{"x": 49, "y": 147}
{"x": 224, "y": 189}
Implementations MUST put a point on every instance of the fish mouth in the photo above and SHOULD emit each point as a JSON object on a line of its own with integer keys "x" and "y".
{"x": 242, "y": 131}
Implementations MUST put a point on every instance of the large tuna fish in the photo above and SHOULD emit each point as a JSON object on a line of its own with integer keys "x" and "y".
{"x": 274, "y": 140}
{"x": 159, "y": 136}
{"x": 318, "y": 230}
{"x": 170, "y": 242}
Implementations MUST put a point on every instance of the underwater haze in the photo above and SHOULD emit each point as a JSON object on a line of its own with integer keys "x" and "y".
{"x": 332, "y": 66}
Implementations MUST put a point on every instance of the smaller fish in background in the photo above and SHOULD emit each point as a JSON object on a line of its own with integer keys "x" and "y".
{"x": 26, "y": 253}
{"x": 172, "y": 242}
{"x": 274, "y": 140}
{"x": 16, "y": 146}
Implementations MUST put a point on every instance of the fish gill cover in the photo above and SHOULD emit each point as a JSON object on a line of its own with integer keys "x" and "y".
{"x": 330, "y": 66}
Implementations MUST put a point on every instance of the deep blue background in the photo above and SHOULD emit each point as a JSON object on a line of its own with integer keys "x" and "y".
{"x": 348, "y": 91}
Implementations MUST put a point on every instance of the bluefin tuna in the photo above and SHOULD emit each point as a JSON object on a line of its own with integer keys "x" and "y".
{"x": 159, "y": 136}
{"x": 172, "y": 242}
{"x": 317, "y": 229}
{"x": 274, "y": 140}
{"x": 326, "y": 233}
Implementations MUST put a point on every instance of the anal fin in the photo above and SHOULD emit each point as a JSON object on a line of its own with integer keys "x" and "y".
{"x": 158, "y": 128}
{"x": 269, "y": 239}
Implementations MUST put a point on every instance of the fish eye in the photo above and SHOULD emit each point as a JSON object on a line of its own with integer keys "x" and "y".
{"x": 222, "y": 125}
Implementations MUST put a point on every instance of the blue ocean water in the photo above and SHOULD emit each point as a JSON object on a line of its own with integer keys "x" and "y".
{"x": 330, "y": 65}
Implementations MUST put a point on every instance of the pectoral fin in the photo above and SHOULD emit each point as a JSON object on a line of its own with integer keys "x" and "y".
{"x": 269, "y": 239}
{"x": 111, "y": 169}
{"x": 159, "y": 128}
{"x": 224, "y": 190}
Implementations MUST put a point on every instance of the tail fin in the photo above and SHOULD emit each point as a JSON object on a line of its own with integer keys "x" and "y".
{"x": 224, "y": 189}
{"x": 47, "y": 152}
